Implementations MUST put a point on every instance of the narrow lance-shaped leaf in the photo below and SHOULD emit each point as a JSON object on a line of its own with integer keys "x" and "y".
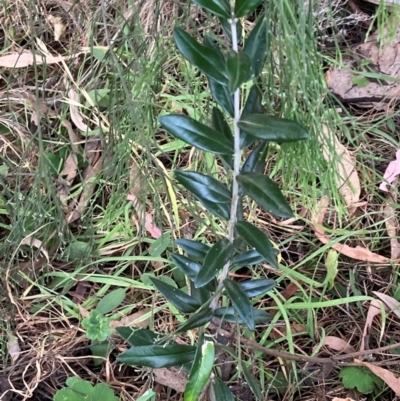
{"x": 228, "y": 30}
{"x": 238, "y": 67}
{"x": 178, "y": 298}
{"x": 266, "y": 193}
{"x": 137, "y": 337}
{"x": 221, "y": 95}
{"x": 158, "y": 356}
{"x": 196, "y": 134}
{"x": 204, "y": 58}
{"x": 254, "y": 288}
{"x": 193, "y": 248}
{"x": 257, "y": 240}
{"x": 229, "y": 315}
{"x": 197, "y": 320}
{"x": 240, "y": 302}
{"x": 248, "y": 258}
{"x": 253, "y": 105}
{"x": 252, "y": 381}
{"x": 256, "y": 159}
{"x": 245, "y": 7}
{"x": 111, "y": 301}
{"x": 220, "y": 8}
{"x": 272, "y": 128}
{"x": 221, "y": 390}
{"x": 256, "y": 46}
{"x": 219, "y": 123}
{"x": 219, "y": 254}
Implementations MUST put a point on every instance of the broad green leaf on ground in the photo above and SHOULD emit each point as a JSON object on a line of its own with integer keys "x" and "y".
{"x": 229, "y": 315}
{"x": 251, "y": 381}
{"x": 220, "y": 8}
{"x": 256, "y": 287}
{"x": 255, "y": 161}
{"x": 240, "y": 302}
{"x": 193, "y": 248}
{"x": 209, "y": 191}
{"x": 199, "y": 319}
{"x": 182, "y": 301}
{"x": 248, "y": 258}
{"x": 256, "y": 46}
{"x": 111, "y": 301}
{"x": 238, "y": 67}
{"x": 186, "y": 265}
{"x": 221, "y": 390}
{"x": 245, "y": 7}
{"x": 221, "y": 95}
{"x": 137, "y": 337}
{"x": 360, "y": 378}
{"x": 160, "y": 245}
{"x": 158, "y": 356}
{"x": 266, "y": 193}
{"x": 197, "y": 134}
{"x": 218, "y": 255}
{"x": 201, "y": 371}
{"x": 257, "y": 240}
{"x": 228, "y": 30}
{"x": 272, "y": 128}
{"x": 203, "y": 57}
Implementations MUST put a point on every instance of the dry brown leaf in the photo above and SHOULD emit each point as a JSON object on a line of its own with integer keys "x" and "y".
{"x": 387, "y": 376}
{"x": 344, "y": 164}
{"x": 391, "y": 225}
{"x": 392, "y": 304}
{"x": 58, "y": 26}
{"x": 13, "y": 348}
{"x": 137, "y": 319}
{"x": 70, "y": 168}
{"x": 76, "y": 116}
{"x": 172, "y": 378}
{"x": 342, "y": 399}
{"x": 83, "y": 312}
{"x": 357, "y": 253}
{"x": 373, "y": 310}
{"x": 27, "y": 58}
{"x": 338, "y": 344}
{"x": 37, "y": 244}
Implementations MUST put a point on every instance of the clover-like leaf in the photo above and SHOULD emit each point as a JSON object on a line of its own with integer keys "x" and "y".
{"x": 197, "y": 134}
{"x": 220, "y": 8}
{"x": 257, "y": 240}
{"x": 240, "y": 302}
{"x": 203, "y": 57}
{"x": 266, "y": 193}
{"x": 238, "y": 67}
{"x": 97, "y": 326}
{"x": 360, "y": 378}
{"x": 272, "y": 128}
{"x": 245, "y": 7}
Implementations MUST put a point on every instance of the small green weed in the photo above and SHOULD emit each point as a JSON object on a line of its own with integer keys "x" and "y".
{"x": 360, "y": 378}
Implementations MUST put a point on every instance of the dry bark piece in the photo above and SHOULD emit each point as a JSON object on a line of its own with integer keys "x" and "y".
{"x": 172, "y": 378}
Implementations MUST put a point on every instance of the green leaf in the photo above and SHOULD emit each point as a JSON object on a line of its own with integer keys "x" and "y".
{"x": 101, "y": 351}
{"x": 97, "y": 326}
{"x": 255, "y": 161}
{"x": 331, "y": 264}
{"x": 253, "y": 288}
{"x": 256, "y": 46}
{"x": 137, "y": 337}
{"x": 182, "y": 301}
{"x": 248, "y": 258}
{"x": 251, "y": 381}
{"x": 219, "y": 123}
{"x": 220, "y": 8}
{"x": 209, "y": 191}
{"x": 158, "y": 356}
{"x": 253, "y": 105}
{"x": 266, "y": 193}
{"x": 245, "y": 7}
{"x": 238, "y": 67}
{"x": 258, "y": 240}
{"x": 197, "y": 134}
{"x": 199, "y": 319}
{"x": 193, "y": 248}
{"x": 272, "y": 128}
{"x": 240, "y": 302}
{"x": 111, "y": 301}
{"x": 203, "y": 57}
{"x": 201, "y": 371}
{"x": 229, "y": 315}
{"x": 360, "y": 378}
{"x": 186, "y": 265}
{"x": 218, "y": 255}
{"x": 160, "y": 245}
{"x": 221, "y": 390}
{"x": 222, "y": 96}
{"x": 203, "y": 294}
{"x": 226, "y": 26}
{"x": 145, "y": 278}
{"x": 54, "y": 162}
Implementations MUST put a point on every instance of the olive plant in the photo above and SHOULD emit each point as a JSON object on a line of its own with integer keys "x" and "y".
{"x": 233, "y": 129}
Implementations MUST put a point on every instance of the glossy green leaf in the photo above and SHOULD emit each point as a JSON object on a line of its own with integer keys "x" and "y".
{"x": 219, "y": 123}
{"x": 193, "y": 248}
{"x": 253, "y": 288}
{"x": 209, "y": 191}
{"x": 201, "y": 371}
{"x": 182, "y": 301}
{"x": 238, "y": 67}
{"x": 203, "y": 294}
{"x": 255, "y": 161}
{"x": 272, "y": 128}
{"x": 203, "y": 57}
{"x": 228, "y": 314}
{"x": 266, "y": 193}
{"x": 197, "y": 134}
{"x": 199, "y": 319}
{"x": 256, "y": 46}
{"x": 220, "y": 8}
{"x": 248, "y": 258}
{"x": 137, "y": 337}
{"x": 257, "y": 240}
{"x": 218, "y": 255}
{"x": 245, "y": 7}
{"x": 111, "y": 301}
{"x": 253, "y": 105}
{"x": 186, "y": 265}
{"x": 251, "y": 381}
{"x": 221, "y": 95}
{"x": 226, "y": 26}
{"x": 221, "y": 390}
{"x": 240, "y": 302}
{"x": 158, "y": 356}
